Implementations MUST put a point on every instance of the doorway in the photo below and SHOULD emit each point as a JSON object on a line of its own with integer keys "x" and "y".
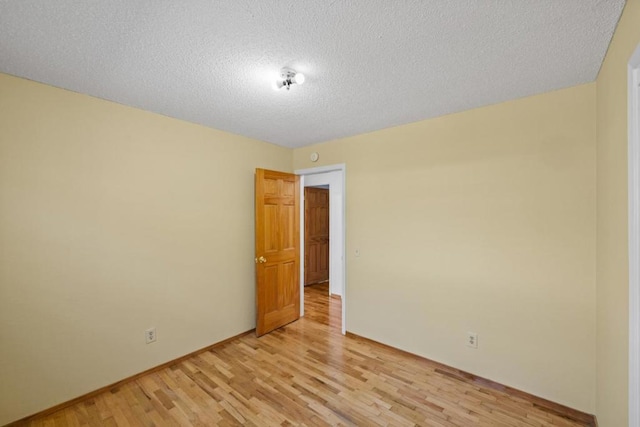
{"x": 332, "y": 177}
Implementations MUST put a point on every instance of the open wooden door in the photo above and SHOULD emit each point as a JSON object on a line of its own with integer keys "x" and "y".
{"x": 277, "y": 250}
{"x": 316, "y": 235}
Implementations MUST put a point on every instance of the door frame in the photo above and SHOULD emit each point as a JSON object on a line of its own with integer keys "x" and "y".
{"x": 334, "y": 258}
{"x": 633, "y": 100}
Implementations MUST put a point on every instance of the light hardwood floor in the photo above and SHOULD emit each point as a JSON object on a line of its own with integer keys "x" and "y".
{"x": 307, "y": 373}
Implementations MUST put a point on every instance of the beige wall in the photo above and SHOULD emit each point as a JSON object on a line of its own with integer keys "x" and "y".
{"x": 114, "y": 220}
{"x": 480, "y": 221}
{"x": 612, "y": 255}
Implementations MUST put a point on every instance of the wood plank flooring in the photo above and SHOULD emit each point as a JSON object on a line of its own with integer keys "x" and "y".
{"x": 307, "y": 373}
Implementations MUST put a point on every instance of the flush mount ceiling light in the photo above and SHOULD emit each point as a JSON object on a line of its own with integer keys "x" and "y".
{"x": 288, "y": 77}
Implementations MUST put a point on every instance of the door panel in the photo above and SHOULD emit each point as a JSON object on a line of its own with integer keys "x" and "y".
{"x": 271, "y": 228}
{"x": 290, "y": 232}
{"x": 316, "y": 268}
{"x": 277, "y": 250}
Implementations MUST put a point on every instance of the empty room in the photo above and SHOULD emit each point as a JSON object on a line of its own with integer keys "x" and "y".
{"x": 396, "y": 213}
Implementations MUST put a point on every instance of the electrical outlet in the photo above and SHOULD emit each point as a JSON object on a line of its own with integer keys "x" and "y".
{"x": 150, "y": 335}
{"x": 472, "y": 340}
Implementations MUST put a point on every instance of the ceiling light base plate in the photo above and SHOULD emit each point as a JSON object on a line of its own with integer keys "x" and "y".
{"x": 287, "y": 73}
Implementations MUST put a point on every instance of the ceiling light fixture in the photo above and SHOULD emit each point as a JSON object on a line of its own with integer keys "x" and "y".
{"x": 288, "y": 77}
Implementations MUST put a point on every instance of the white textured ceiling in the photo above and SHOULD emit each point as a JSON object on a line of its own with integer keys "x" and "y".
{"x": 369, "y": 64}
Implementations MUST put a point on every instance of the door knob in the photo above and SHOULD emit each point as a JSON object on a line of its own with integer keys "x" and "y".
{"x": 261, "y": 260}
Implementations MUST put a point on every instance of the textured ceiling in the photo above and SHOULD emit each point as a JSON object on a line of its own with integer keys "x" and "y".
{"x": 369, "y": 64}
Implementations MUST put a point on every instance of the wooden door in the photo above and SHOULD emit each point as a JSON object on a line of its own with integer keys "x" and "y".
{"x": 316, "y": 235}
{"x": 277, "y": 249}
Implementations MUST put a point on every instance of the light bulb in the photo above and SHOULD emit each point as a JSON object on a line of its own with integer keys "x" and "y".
{"x": 299, "y": 78}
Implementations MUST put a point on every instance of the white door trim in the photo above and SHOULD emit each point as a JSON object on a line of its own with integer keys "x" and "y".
{"x": 313, "y": 171}
{"x": 634, "y": 236}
